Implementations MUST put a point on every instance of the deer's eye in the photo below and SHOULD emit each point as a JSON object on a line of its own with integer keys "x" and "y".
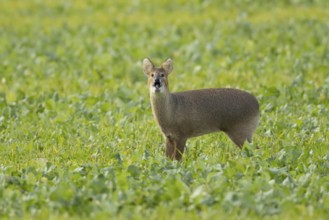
{"x": 152, "y": 74}
{"x": 162, "y": 75}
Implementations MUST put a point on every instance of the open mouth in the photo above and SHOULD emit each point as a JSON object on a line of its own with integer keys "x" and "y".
{"x": 157, "y": 87}
{"x": 157, "y": 84}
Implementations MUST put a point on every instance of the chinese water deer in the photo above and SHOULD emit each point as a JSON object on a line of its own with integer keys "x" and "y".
{"x": 192, "y": 113}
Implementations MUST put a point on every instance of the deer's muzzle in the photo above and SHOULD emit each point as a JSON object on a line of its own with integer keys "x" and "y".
{"x": 157, "y": 83}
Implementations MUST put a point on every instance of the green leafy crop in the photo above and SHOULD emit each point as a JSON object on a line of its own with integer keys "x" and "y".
{"x": 77, "y": 136}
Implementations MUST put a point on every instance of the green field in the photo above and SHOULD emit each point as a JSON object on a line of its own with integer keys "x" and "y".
{"x": 77, "y": 135}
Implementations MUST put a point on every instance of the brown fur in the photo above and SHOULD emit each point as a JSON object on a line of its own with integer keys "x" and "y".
{"x": 192, "y": 113}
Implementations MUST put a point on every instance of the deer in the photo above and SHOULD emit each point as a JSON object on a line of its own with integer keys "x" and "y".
{"x": 187, "y": 114}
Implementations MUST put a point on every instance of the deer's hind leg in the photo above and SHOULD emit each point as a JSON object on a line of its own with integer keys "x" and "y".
{"x": 238, "y": 137}
{"x": 175, "y": 147}
{"x": 242, "y": 132}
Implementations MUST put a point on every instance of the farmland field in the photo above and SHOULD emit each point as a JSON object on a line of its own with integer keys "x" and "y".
{"x": 77, "y": 135}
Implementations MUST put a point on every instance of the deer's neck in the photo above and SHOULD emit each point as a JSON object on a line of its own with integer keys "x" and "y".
{"x": 162, "y": 107}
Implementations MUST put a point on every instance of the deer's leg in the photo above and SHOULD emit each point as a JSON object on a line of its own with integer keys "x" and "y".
{"x": 175, "y": 147}
{"x": 243, "y": 131}
{"x": 237, "y": 137}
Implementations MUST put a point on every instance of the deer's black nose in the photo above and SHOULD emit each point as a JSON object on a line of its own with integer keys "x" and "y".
{"x": 157, "y": 83}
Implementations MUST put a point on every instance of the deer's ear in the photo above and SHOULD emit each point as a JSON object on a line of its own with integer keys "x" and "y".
{"x": 147, "y": 66}
{"x": 168, "y": 66}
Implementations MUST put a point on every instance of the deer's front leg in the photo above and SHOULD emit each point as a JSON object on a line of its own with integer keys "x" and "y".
{"x": 175, "y": 147}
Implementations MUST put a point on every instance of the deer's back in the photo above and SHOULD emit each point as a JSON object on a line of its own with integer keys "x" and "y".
{"x": 206, "y": 110}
